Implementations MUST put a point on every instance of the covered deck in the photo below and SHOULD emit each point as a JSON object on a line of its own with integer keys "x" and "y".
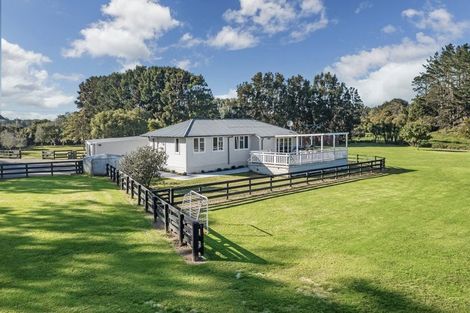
{"x": 289, "y": 153}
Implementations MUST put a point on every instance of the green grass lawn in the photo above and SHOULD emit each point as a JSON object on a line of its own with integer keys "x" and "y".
{"x": 34, "y": 152}
{"x": 394, "y": 243}
{"x": 450, "y": 139}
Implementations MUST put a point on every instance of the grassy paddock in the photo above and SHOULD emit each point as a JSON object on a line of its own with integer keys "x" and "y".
{"x": 34, "y": 152}
{"x": 395, "y": 243}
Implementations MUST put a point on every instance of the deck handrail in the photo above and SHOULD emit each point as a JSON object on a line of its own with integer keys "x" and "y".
{"x": 302, "y": 157}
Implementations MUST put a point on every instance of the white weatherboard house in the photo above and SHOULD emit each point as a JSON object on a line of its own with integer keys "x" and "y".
{"x": 199, "y": 145}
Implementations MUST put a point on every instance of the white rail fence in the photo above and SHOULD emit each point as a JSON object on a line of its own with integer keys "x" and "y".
{"x": 303, "y": 157}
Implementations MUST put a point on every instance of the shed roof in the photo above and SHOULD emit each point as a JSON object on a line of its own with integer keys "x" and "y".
{"x": 104, "y": 140}
{"x": 219, "y": 127}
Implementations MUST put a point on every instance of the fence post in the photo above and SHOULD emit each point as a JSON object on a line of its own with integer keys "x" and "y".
{"x": 336, "y": 173}
{"x": 306, "y": 177}
{"x": 201, "y": 239}
{"x": 118, "y": 175}
{"x": 154, "y": 208}
{"x": 20, "y": 154}
{"x": 167, "y": 218}
{"x": 322, "y": 175}
{"x": 107, "y": 170}
{"x": 271, "y": 183}
{"x": 27, "y": 170}
{"x": 132, "y": 189}
{"x": 195, "y": 241}
{"x": 127, "y": 185}
{"x": 1, "y": 170}
{"x": 171, "y": 196}
{"x": 227, "y": 191}
{"x": 371, "y": 166}
{"x": 52, "y": 168}
{"x": 146, "y": 200}
{"x": 290, "y": 180}
{"x": 357, "y": 158}
{"x": 139, "y": 188}
{"x": 249, "y": 185}
{"x": 181, "y": 228}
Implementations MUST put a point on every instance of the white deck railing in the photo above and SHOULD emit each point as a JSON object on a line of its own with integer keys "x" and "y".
{"x": 303, "y": 157}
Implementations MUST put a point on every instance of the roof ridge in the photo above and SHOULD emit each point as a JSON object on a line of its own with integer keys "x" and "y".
{"x": 188, "y": 129}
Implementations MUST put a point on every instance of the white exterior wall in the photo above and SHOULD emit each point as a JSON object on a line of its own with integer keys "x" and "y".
{"x": 188, "y": 161}
{"x": 176, "y": 160}
{"x": 118, "y": 147}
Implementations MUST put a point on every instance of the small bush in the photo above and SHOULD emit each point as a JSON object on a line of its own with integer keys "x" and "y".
{"x": 143, "y": 164}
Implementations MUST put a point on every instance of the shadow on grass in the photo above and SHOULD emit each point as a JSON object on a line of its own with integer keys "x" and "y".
{"x": 219, "y": 248}
{"x": 60, "y": 184}
{"x": 101, "y": 255}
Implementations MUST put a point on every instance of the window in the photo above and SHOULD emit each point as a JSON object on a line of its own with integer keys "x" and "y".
{"x": 241, "y": 142}
{"x": 177, "y": 145}
{"x": 199, "y": 144}
{"x": 284, "y": 145}
{"x": 217, "y": 143}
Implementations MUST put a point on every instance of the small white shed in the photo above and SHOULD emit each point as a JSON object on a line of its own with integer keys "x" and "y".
{"x": 117, "y": 146}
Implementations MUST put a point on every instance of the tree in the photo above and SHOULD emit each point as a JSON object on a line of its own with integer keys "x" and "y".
{"x": 76, "y": 127}
{"x": 465, "y": 128}
{"x": 326, "y": 104}
{"x": 8, "y": 139}
{"x": 48, "y": 132}
{"x": 387, "y": 120}
{"x": 119, "y": 123}
{"x": 168, "y": 94}
{"x": 443, "y": 89}
{"x": 143, "y": 164}
{"x": 416, "y": 133}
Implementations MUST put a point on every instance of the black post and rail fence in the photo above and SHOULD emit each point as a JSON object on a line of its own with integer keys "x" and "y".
{"x": 223, "y": 190}
{"x": 189, "y": 231}
{"x": 20, "y": 170}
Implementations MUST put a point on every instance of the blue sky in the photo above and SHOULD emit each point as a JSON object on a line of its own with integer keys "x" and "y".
{"x": 49, "y": 46}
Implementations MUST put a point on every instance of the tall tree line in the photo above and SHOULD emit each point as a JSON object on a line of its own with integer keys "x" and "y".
{"x": 443, "y": 88}
{"x": 325, "y": 104}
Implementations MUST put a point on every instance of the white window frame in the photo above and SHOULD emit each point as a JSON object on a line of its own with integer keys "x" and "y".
{"x": 242, "y": 142}
{"x": 201, "y": 143}
{"x": 219, "y": 144}
{"x": 177, "y": 146}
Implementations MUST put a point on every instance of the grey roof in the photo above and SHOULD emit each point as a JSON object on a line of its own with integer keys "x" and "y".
{"x": 221, "y": 127}
{"x": 103, "y": 140}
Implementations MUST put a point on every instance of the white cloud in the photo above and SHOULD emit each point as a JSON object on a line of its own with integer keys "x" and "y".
{"x": 185, "y": 64}
{"x": 308, "y": 28}
{"x": 126, "y": 31}
{"x": 232, "y": 39}
{"x": 389, "y": 29}
{"x": 439, "y": 20}
{"x": 68, "y": 77}
{"x": 25, "y": 82}
{"x": 272, "y": 16}
{"x": 232, "y": 93}
{"x": 188, "y": 41}
{"x": 364, "y": 5}
{"x": 386, "y": 72}
{"x": 256, "y": 18}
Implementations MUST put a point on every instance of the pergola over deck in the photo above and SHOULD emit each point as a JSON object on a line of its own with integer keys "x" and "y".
{"x": 301, "y": 149}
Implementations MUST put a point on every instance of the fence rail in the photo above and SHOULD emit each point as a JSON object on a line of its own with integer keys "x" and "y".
{"x": 10, "y": 154}
{"x": 228, "y": 188}
{"x": 61, "y": 154}
{"x": 19, "y": 170}
{"x": 188, "y": 230}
